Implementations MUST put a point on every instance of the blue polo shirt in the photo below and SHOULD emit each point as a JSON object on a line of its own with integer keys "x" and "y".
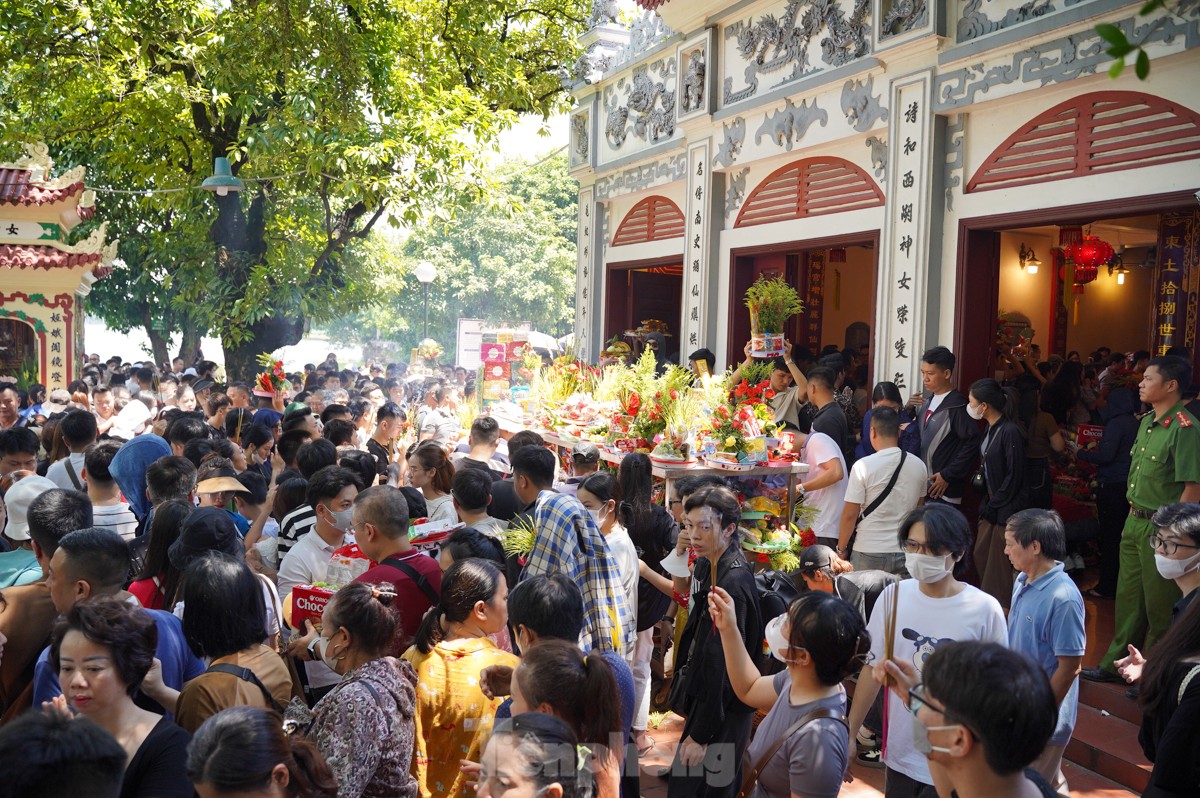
{"x": 1046, "y": 622}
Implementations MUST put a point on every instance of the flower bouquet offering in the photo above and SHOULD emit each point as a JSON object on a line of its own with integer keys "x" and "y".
{"x": 518, "y": 539}
{"x": 271, "y": 382}
{"x": 771, "y": 303}
{"x": 429, "y": 351}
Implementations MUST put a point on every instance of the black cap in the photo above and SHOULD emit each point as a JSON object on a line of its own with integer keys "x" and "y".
{"x": 206, "y": 529}
{"x": 202, "y": 385}
{"x": 816, "y": 556}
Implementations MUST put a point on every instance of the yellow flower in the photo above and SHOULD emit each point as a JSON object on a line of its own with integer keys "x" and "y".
{"x": 730, "y": 441}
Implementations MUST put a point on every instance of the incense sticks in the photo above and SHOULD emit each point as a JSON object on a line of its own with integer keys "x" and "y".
{"x": 891, "y": 600}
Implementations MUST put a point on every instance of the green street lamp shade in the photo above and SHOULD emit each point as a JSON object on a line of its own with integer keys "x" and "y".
{"x": 222, "y": 181}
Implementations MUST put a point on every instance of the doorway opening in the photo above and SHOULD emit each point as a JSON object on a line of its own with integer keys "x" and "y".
{"x": 18, "y": 351}
{"x": 836, "y": 280}
{"x": 645, "y": 291}
{"x": 1142, "y": 298}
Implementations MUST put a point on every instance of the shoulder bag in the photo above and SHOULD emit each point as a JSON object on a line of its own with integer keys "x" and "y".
{"x": 874, "y": 505}
{"x": 247, "y": 675}
{"x": 415, "y": 575}
{"x": 752, "y": 773}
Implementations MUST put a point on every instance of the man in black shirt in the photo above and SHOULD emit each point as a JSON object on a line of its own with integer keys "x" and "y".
{"x": 389, "y": 422}
{"x": 830, "y": 418}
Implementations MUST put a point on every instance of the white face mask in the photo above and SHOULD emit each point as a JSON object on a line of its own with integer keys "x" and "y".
{"x": 975, "y": 412}
{"x": 776, "y": 641}
{"x": 920, "y": 737}
{"x": 1173, "y": 569}
{"x": 341, "y": 520}
{"x": 928, "y": 568}
{"x": 597, "y": 517}
{"x": 328, "y": 657}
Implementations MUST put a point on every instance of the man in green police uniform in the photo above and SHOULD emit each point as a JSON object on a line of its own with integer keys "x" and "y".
{"x": 1165, "y": 469}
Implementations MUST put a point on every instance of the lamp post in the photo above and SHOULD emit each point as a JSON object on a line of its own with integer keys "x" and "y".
{"x": 426, "y": 273}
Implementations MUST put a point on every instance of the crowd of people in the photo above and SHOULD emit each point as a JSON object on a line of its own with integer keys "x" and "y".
{"x": 156, "y": 523}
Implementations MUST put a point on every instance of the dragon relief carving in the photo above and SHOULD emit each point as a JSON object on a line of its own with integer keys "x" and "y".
{"x": 693, "y": 82}
{"x": 789, "y": 124}
{"x": 975, "y": 22}
{"x": 772, "y": 44}
{"x": 862, "y": 109}
{"x": 736, "y": 191}
{"x": 903, "y": 16}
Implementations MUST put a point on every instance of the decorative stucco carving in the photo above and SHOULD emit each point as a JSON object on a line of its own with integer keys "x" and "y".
{"x": 580, "y": 143}
{"x": 594, "y": 62}
{"x": 879, "y": 155}
{"x": 650, "y": 105}
{"x": 1062, "y": 59}
{"x": 694, "y": 81}
{"x": 773, "y": 44}
{"x": 975, "y": 22}
{"x": 37, "y": 156}
{"x": 789, "y": 124}
{"x": 904, "y": 15}
{"x": 736, "y": 192}
{"x": 954, "y": 157}
{"x": 604, "y": 12}
{"x": 862, "y": 110}
{"x": 735, "y": 136}
{"x": 646, "y": 32}
{"x": 639, "y": 178}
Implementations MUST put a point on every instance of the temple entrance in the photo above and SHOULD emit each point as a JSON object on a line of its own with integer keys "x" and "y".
{"x": 18, "y": 351}
{"x": 836, "y": 280}
{"x": 638, "y": 292}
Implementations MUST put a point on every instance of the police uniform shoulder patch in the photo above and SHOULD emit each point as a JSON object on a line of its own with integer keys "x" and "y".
{"x": 1183, "y": 419}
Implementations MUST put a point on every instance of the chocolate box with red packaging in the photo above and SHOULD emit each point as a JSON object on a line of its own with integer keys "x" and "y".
{"x": 308, "y": 602}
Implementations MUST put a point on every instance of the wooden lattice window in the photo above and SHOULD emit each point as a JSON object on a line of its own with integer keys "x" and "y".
{"x": 1096, "y": 133}
{"x": 652, "y": 219}
{"x": 811, "y": 187}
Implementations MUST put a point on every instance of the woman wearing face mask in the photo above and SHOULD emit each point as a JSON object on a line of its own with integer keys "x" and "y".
{"x": 1003, "y": 467}
{"x": 701, "y": 690}
{"x": 533, "y": 755}
{"x": 822, "y": 639}
{"x": 452, "y": 646}
{"x": 555, "y": 677}
{"x": 431, "y": 472}
{"x": 365, "y": 726}
{"x": 932, "y": 607}
{"x": 601, "y": 496}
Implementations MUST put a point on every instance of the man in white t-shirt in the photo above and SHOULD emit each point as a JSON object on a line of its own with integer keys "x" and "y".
{"x": 876, "y": 547}
{"x": 930, "y": 609}
{"x": 79, "y": 430}
{"x": 824, "y": 486}
{"x": 108, "y": 508}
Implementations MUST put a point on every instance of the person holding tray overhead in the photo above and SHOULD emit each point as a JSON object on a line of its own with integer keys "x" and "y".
{"x": 908, "y": 623}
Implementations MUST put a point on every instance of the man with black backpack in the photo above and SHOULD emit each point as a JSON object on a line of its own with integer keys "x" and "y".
{"x": 883, "y": 488}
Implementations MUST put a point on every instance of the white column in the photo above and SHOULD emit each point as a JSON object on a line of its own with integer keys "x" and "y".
{"x": 906, "y": 246}
{"x": 703, "y": 217}
{"x": 587, "y": 304}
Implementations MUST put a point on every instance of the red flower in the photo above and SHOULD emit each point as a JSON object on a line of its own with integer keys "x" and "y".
{"x": 674, "y": 394}
{"x": 769, "y": 393}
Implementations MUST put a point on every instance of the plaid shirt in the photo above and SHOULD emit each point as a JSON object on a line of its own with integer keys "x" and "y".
{"x": 569, "y": 542}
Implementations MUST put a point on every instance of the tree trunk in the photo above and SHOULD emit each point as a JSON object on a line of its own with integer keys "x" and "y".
{"x": 190, "y": 345}
{"x": 158, "y": 346}
{"x": 269, "y": 334}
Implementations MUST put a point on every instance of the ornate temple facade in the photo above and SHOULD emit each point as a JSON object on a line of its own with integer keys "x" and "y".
{"x": 906, "y": 165}
{"x": 44, "y": 279}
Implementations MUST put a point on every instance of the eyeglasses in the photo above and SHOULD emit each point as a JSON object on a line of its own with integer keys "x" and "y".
{"x": 1168, "y": 546}
{"x": 917, "y": 699}
{"x": 916, "y": 547}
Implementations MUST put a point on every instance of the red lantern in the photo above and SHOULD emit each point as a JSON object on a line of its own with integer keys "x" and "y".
{"x": 1088, "y": 256}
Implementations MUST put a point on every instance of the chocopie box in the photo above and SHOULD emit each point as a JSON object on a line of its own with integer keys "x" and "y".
{"x": 494, "y": 352}
{"x": 308, "y": 602}
{"x": 515, "y": 350}
{"x": 496, "y": 371}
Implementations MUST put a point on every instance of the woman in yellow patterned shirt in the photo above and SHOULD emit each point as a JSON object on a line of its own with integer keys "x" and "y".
{"x": 454, "y": 718}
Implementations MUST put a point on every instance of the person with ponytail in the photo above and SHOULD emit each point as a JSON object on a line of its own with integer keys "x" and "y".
{"x": 534, "y": 754}
{"x": 431, "y": 472}
{"x": 822, "y": 639}
{"x": 364, "y": 727}
{"x": 244, "y": 752}
{"x": 1002, "y": 477}
{"x": 454, "y": 717}
{"x": 557, "y": 678}
{"x": 654, "y": 534}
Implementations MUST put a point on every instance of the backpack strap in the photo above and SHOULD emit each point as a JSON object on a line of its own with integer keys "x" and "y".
{"x": 73, "y": 476}
{"x": 415, "y": 575}
{"x": 246, "y": 675}
{"x": 1187, "y": 680}
{"x": 753, "y": 773}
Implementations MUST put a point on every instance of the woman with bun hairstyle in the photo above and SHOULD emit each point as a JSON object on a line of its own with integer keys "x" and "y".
{"x": 364, "y": 727}
{"x": 557, "y": 678}
{"x": 244, "y": 752}
{"x": 533, "y": 754}
{"x": 452, "y": 647}
{"x": 1002, "y": 467}
{"x": 822, "y": 639}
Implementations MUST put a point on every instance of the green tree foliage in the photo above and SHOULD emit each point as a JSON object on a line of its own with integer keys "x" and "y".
{"x": 337, "y": 113}
{"x": 1120, "y": 46}
{"x": 509, "y": 259}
